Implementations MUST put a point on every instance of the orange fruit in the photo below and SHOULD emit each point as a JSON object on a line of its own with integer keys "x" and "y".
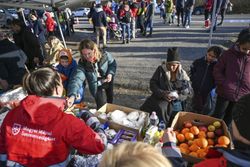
{"x": 184, "y": 150}
{"x": 180, "y": 138}
{"x": 189, "y": 136}
{"x": 202, "y": 134}
{"x": 193, "y": 154}
{"x": 195, "y": 130}
{"x": 201, "y": 153}
{"x": 194, "y": 148}
{"x": 202, "y": 142}
{"x": 185, "y": 130}
{"x": 184, "y": 145}
{"x": 223, "y": 140}
{"x": 210, "y": 142}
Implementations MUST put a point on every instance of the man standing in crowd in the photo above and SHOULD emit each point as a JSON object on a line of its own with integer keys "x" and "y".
{"x": 28, "y": 42}
{"x": 12, "y": 63}
{"x": 149, "y": 18}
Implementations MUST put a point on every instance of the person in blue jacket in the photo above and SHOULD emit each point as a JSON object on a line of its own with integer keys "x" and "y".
{"x": 67, "y": 65}
{"x": 98, "y": 68}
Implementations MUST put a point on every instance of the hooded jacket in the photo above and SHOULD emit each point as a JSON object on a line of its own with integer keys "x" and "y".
{"x": 39, "y": 133}
{"x": 50, "y": 24}
{"x": 66, "y": 71}
{"x": 232, "y": 74}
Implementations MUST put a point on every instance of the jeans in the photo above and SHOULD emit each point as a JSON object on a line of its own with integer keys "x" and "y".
{"x": 223, "y": 109}
{"x": 126, "y": 29}
{"x": 187, "y": 20}
{"x": 149, "y": 23}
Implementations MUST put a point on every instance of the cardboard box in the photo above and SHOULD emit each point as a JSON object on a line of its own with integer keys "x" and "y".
{"x": 113, "y": 125}
{"x": 197, "y": 119}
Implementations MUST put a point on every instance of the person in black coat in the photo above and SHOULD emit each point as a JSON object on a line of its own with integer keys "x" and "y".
{"x": 201, "y": 75}
{"x": 12, "y": 63}
{"x": 28, "y": 42}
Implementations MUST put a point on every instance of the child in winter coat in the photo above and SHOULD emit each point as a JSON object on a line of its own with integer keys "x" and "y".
{"x": 67, "y": 65}
{"x": 201, "y": 75}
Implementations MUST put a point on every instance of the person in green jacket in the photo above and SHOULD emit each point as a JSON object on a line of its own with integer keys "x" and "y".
{"x": 169, "y": 10}
{"x": 98, "y": 68}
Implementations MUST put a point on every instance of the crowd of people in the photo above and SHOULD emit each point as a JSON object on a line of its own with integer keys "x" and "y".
{"x": 54, "y": 81}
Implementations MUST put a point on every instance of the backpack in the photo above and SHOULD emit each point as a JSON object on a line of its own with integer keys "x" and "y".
{"x": 127, "y": 17}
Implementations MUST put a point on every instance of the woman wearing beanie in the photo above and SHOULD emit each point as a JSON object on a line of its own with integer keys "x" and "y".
{"x": 170, "y": 86}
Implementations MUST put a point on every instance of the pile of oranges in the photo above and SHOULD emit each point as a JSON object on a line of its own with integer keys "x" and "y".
{"x": 196, "y": 140}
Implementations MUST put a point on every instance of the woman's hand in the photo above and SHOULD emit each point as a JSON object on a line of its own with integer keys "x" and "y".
{"x": 108, "y": 78}
{"x": 70, "y": 101}
{"x": 169, "y": 136}
{"x": 167, "y": 97}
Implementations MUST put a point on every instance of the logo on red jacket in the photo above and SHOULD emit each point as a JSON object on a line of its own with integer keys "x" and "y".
{"x": 16, "y": 128}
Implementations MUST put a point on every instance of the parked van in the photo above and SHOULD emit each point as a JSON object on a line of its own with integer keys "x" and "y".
{"x": 5, "y": 17}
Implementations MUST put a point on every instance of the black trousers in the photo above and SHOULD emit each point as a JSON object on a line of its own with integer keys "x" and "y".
{"x": 223, "y": 109}
{"x": 100, "y": 99}
{"x": 180, "y": 13}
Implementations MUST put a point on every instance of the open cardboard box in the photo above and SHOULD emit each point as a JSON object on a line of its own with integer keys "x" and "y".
{"x": 197, "y": 119}
{"x": 113, "y": 125}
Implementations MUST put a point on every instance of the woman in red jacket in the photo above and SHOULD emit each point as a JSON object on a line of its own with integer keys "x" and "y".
{"x": 38, "y": 132}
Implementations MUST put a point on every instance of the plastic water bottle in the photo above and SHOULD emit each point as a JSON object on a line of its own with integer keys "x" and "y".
{"x": 154, "y": 120}
{"x": 161, "y": 126}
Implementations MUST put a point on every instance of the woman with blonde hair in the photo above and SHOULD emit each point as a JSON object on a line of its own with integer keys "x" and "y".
{"x": 98, "y": 68}
{"x": 55, "y": 46}
{"x": 134, "y": 155}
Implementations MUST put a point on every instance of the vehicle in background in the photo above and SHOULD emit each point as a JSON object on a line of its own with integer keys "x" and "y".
{"x": 13, "y": 12}
{"x": 80, "y": 12}
{"x": 5, "y": 17}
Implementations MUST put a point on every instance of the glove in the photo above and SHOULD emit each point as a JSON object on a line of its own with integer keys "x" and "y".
{"x": 90, "y": 120}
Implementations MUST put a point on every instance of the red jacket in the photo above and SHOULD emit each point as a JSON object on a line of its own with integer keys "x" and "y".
{"x": 232, "y": 74}
{"x": 38, "y": 133}
{"x": 50, "y": 24}
{"x": 208, "y": 4}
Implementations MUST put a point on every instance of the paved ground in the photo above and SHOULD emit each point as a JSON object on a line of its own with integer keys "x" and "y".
{"x": 138, "y": 60}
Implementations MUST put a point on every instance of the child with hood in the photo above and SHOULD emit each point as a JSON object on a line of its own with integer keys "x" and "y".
{"x": 67, "y": 65}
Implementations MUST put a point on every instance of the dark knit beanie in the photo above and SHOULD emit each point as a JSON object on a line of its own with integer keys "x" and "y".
{"x": 173, "y": 55}
{"x": 241, "y": 116}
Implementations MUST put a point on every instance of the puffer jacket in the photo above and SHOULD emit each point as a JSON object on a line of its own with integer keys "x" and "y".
{"x": 89, "y": 71}
{"x": 232, "y": 74}
{"x": 39, "y": 133}
{"x": 50, "y": 24}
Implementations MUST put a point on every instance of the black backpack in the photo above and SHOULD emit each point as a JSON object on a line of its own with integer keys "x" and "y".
{"x": 127, "y": 17}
